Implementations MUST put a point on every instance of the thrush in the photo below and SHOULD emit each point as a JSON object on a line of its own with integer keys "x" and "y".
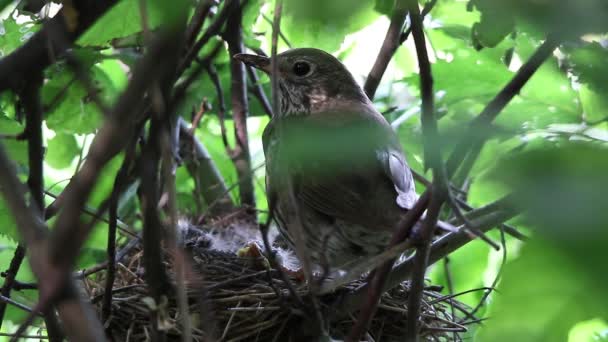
{"x": 333, "y": 163}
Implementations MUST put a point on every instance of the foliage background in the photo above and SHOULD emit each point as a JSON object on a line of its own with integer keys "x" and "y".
{"x": 549, "y": 143}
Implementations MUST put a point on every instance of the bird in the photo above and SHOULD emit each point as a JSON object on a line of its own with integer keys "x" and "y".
{"x": 334, "y": 165}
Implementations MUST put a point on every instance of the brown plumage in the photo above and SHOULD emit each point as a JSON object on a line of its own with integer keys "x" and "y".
{"x": 348, "y": 174}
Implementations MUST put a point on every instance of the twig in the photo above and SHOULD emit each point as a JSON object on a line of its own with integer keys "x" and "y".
{"x": 198, "y": 19}
{"x": 79, "y": 322}
{"x": 240, "y": 107}
{"x": 427, "y": 8}
{"x": 208, "y": 178}
{"x": 389, "y": 46}
{"x": 67, "y": 238}
{"x": 33, "y": 130}
{"x": 258, "y": 91}
{"x": 375, "y": 285}
{"x": 433, "y": 160}
{"x": 482, "y": 301}
{"x": 421, "y": 260}
{"x": 283, "y": 37}
{"x": 485, "y": 218}
{"x": 120, "y": 181}
{"x": 221, "y": 110}
{"x": 489, "y": 113}
{"x": 9, "y": 281}
{"x": 179, "y": 255}
{"x": 212, "y": 30}
{"x": 6, "y": 300}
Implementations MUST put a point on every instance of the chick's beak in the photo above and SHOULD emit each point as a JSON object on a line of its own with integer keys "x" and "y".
{"x": 259, "y": 62}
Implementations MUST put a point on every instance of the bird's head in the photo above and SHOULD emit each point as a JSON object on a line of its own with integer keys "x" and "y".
{"x": 310, "y": 80}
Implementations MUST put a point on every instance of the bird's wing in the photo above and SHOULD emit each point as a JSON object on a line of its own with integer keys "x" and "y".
{"x": 396, "y": 168}
{"x": 366, "y": 179}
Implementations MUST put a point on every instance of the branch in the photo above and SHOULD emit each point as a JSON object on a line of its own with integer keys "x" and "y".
{"x": 77, "y": 317}
{"x": 40, "y": 51}
{"x": 258, "y": 91}
{"x": 375, "y": 285}
{"x": 439, "y": 190}
{"x": 485, "y": 218}
{"x": 240, "y": 108}
{"x": 202, "y": 168}
{"x": 67, "y": 238}
{"x": 389, "y": 46}
{"x": 491, "y": 111}
{"x": 120, "y": 182}
{"x": 212, "y": 30}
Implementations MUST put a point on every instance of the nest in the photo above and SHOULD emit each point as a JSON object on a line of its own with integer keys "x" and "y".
{"x": 239, "y": 298}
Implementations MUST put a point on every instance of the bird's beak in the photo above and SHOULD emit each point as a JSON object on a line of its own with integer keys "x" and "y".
{"x": 258, "y": 62}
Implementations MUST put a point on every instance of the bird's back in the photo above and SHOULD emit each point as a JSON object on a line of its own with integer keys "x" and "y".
{"x": 341, "y": 167}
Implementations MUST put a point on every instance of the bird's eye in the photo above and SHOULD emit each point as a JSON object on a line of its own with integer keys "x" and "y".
{"x": 301, "y": 68}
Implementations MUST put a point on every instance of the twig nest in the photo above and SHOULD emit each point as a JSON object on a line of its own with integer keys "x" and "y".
{"x": 237, "y": 297}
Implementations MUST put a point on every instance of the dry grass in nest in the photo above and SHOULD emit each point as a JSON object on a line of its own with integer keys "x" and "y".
{"x": 231, "y": 299}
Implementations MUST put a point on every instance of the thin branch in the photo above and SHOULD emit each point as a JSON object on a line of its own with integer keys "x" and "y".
{"x": 221, "y": 110}
{"x": 7, "y": 300}
{"x": 375, "y": 285}
{"x": 389, "y": 46}
{"x": 283, "y": 37}
{"x": 427, "y": 8}
{"x": 212, "y": 30}
{"x": 120, "y": 182}
{"x": 485, "y": 218}
{"x": 179, "y": 254}
{"x": 489, "y": 113}
{"x": 258, "y": 91}
{"x": 79, "y": 320}
{"x": 240, "y": 107}
{"x": 109, "y": 141}
{"x": 433, "y": 160}
{"x": 198, "y": 19}
{"x": 421, "y": 260}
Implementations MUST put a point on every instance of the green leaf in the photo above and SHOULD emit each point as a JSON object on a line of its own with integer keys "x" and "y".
{"x": 61, "y": 150}
{"x": 558, "y": 188}
{"x": 72, "y": 110}
{"x": 495, "y": 24}
{"x": 588, "y": 63}
{"x": 13, "y": 35}
{"x": 543, "y": 293}
{"x": 9, "y": 227}
{"x": 16, "y": 149}
{"x": 591, "y": 330}
{"x": 595, "y": 105}
{"x": 122, "y": 20}
{"x": 324, "y": 24}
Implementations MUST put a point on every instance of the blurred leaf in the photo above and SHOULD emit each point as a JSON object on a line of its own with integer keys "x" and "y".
{"x": 61, "y": 150}
{"x": 323, "y": 24}
{"x": 545, "y": 16}
{"x": 384, "y": 7}
{"x": 591, "y": 330}
{"x": 122, "y": 20}
{"x": 588, "y": 63}
{"x": 542, "y": 294}
{"x": 595, "y": 105}
{"x": 495, "y": 24}
{"x": 558, "y": 188}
